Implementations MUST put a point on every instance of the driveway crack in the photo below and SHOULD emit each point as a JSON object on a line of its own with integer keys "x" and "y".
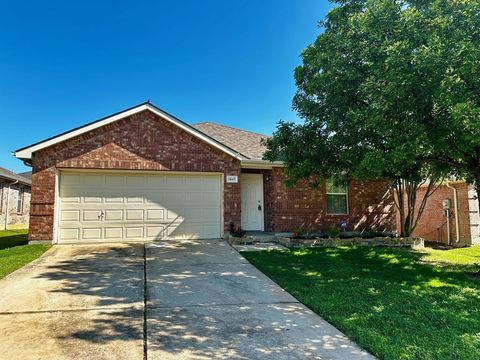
{"x": 144, "y": 302}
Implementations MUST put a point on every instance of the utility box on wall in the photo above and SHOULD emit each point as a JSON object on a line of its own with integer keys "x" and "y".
{"x": 446, "y": 204}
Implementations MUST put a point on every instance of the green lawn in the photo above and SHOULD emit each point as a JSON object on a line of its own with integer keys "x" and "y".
{"x": 398, "y": 304}
{"x": 15, "y": 251}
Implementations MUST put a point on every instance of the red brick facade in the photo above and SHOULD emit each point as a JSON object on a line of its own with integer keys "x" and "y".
{"x": 433, "y": 222}
{"x": 140, "y": 142}
{"x": 370, "y": 206}
{"x": 145, "y": 141}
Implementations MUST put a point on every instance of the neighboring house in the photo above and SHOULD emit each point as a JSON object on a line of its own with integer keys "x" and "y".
{"x": 435, "y": 225}
{"x": 14, "y": 200}
{"x": 142, "y": 174}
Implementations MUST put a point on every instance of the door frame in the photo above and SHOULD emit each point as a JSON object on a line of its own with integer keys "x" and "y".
{"x": 262, "y": 202}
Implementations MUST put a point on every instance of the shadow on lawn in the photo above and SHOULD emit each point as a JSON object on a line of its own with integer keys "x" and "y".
{"x": 374, "y": 294}
{"x": 11, "y": 238}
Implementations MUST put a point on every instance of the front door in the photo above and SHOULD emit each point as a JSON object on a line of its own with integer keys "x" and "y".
{"x": 252, "y": 201}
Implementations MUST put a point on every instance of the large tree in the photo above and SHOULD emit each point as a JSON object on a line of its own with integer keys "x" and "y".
{"x": 380, "y": 98}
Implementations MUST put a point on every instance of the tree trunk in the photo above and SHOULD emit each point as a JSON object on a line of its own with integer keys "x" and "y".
{"x": 406, "y": 202}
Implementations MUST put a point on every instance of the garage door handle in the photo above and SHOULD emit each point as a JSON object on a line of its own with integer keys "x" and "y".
{"x": 100, "y": 217}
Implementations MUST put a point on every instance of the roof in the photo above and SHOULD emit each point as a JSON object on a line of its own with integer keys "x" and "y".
{"x": 9, "y": 175}
{"x": 240, "y": 144}
{"x": 245, "y": 142}
{"x": 26, "y": 152}
{"x": 26, "y": 174}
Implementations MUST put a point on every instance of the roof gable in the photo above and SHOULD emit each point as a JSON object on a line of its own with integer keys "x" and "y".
{"x": 25, "y": 153}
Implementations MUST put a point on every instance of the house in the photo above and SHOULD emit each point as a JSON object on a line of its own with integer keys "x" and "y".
{"x": 143, "y": 174}
{"x": 14, "y": 200}
{"x": 451, "y": 215}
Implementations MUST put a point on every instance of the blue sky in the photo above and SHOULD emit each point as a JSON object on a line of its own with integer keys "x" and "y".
{"x": 64, "y": 63}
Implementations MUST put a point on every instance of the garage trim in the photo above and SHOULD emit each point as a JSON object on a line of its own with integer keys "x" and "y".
{"x": 60, "y": 171}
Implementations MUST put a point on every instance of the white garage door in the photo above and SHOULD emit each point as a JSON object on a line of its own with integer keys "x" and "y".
{"x": 99, "y": 207}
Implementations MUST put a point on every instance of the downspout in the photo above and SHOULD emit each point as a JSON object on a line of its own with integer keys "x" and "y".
{"x": 455, "y": 207}
{"x": 7, "y": 203}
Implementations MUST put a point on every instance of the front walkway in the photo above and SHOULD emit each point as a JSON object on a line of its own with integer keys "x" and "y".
{"x": 199, "y": 300}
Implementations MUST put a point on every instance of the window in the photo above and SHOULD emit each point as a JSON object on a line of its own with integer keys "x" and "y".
{"x": 337, "y": 199}
{"x": 20, "y": 201}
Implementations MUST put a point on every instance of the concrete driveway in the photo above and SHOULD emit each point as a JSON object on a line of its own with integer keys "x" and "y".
{"x": 167, "y": 300}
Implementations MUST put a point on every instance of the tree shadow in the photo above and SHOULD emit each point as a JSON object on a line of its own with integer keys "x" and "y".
{"x": 107, "y": 284}
{"x": 104, "y": 280}
{"x": 12, "y": 238}
{"x": 373, "y": 294}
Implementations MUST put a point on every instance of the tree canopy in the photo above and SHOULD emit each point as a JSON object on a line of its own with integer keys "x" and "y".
{"x": 390, "y": 89}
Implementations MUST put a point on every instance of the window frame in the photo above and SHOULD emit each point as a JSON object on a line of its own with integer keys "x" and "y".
{"x": 21, "y": 193}
{"x": 347, "y": 199}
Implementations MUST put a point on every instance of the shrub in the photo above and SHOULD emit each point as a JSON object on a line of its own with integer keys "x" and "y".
{"x": 236, "y": 232}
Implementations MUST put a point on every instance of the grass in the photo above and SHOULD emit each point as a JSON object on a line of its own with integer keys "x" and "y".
{"x": 396, "y": 303}
{"x": 15, "y": 251}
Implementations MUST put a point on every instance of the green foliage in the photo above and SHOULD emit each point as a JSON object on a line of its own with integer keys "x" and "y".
{"x": 333, "y": 232}
{"x": 392, "y": 302}
{"x": 15, "y": 251}
{"x": 390, "y": 89}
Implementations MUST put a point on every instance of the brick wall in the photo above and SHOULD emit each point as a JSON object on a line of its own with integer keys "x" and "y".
{"x": 370, "y": 206}
{"x": 142, "y": 141}
{"x": 433, "y": 222}
{"x": 15, "y": 220}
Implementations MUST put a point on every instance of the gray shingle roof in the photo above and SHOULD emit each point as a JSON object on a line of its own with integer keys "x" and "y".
{"x": 7, "y": 174}
{"x": 26, "y": 174}
{"x": 247, "y": 143}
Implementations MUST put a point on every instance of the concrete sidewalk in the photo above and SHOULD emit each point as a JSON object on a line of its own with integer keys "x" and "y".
{"x": 202, "y": 301}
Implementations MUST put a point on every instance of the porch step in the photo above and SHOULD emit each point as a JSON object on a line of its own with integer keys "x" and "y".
{"x": 261, "y": 236}
{"x": 252, "y": 237}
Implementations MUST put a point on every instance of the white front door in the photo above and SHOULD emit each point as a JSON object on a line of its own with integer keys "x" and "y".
{"x": 251, "y": 186}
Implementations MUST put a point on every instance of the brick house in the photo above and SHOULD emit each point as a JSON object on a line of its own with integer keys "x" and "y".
{"x": 14, "y": 200}
{"x": 462, "y": 227}
{"x": 142, "y": 174}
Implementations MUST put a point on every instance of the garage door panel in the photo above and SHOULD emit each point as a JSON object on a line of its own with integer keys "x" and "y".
{"x": 94, "y": 180}
{"x": 115, "y": 180}
{"x": 134, "y": 232}
{"x": 155, "y": 231}
{"x": 114, "y": 200}
{"x": 135, "y": 199}
{"x": 134, "y": 214}
{"x": 72, "y": 179}
{"x": 135, "y": 181}
{"x": 92, "y": 215}
{"x": 92, "y": 199}
{"x": 111, "y": 233}
{"x": 91, "y": 233}
{"x": 70, "y": 234}
{"x": 113, "y": 215}
{"x": 128, "y": 207}
{"x": 70, "y": 215}
{"x": 155, "y": 214}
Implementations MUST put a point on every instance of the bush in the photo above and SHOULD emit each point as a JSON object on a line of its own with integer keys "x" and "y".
{"x": 236, "y": 232}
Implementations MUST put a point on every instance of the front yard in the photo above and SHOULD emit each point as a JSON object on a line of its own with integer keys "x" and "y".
{"x": 15, "y": 251}
{"x": 398, "y": 304}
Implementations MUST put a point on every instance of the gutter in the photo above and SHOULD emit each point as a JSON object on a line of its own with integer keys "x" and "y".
{"x": 455, "y": 207}
{"x": 260, "y": 164}
{"x": 7, "y": 203}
